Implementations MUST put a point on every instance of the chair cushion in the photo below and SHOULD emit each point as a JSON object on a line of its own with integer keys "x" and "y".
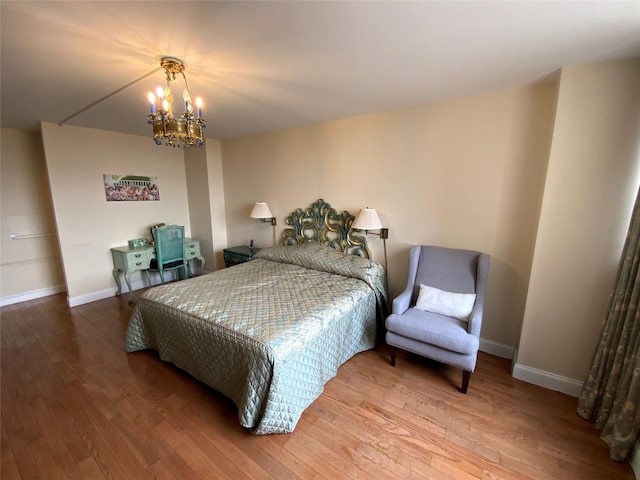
{"x": 434, "y": 329}
{"x": 153, "y": 265}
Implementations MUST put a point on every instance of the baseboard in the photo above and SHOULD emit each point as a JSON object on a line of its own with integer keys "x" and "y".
{"x": 494, "y": 348}
{"x": 154, "y": 277}
{"x": 548, "y": 380}
{"x": 92, "y": 297}
{"x": 106, "y": 293}
{"x": 79, "y": 299}
{"x": 32, "y": 295}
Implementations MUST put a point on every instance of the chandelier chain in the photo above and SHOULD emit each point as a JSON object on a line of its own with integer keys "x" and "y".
{"x": 62, "y": 122}
{"x": 184, "y": 131}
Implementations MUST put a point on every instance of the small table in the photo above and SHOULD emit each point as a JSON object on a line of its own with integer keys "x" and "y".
{"x": 127, "y": 260}
{"x": 237, "y": 255}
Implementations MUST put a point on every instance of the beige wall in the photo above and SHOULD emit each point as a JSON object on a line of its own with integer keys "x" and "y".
{"x": 88, "y": 225}
{"x": 205, "y": 190}
{"x": 192, "y": 194}
{"x": 466, "y": 173}
{"x": 29, "y": 268}
{"x": 588, "y": 198}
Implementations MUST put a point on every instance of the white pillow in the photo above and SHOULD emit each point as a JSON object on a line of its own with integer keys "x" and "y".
{"x": 456, "y": 305}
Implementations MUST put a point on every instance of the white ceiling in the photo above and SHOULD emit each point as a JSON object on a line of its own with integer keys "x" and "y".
{"x": 263, "y": 66}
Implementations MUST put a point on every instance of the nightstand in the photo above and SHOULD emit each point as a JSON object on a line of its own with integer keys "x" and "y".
{"x": 237, "y": 255}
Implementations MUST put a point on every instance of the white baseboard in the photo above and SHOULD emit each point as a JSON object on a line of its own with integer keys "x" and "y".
{"x": 78, "y": 299}
{"x": 548, "y": 380}
{"x": 541, "y": 378}
{"x": 106, "y": 293}
{"x": 92, "y": 297}
{"x": 498, "y": 349}
{"x": 32, "y": 295}
{"x": 110, "y": 292}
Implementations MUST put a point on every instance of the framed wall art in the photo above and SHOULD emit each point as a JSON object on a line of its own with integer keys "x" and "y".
{"x": 131, "y": 188}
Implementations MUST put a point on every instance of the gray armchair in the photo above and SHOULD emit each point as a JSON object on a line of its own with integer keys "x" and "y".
{"x": 434, "y": 335}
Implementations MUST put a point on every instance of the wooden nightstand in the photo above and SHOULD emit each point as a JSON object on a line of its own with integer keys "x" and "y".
{"x": 237, "y": 255}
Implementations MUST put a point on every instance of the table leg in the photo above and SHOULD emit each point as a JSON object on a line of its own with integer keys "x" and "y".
{"x": 127, "y": 278}
{"x": 116, "y": 275}
{"x": 201, "y": 264}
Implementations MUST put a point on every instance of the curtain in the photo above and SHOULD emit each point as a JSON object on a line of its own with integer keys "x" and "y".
{"x": 611, "y": 392}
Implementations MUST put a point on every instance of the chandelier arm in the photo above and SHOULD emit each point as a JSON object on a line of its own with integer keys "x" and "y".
{"x": 107, "y": 96}
{"x": 186, "y": 84}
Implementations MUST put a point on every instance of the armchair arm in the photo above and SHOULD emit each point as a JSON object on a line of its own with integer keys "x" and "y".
{"x": 403, "y": 301}
{"x": 475, "y": 319}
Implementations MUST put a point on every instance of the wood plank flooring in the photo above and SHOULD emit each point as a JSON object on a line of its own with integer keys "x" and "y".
{"x": 75, "y": 405}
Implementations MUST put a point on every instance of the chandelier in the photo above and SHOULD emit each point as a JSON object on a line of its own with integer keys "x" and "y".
{"x": 185, "y": 130}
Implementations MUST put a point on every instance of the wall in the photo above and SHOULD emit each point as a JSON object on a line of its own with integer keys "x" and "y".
{"x": 205, "y": 189}
{"x": 465, "y": 173}
{"x": 88, "y": 226}
{"x": 29, "y": 268}
{"x": 199, "y": 202}
{"x": 590, "y": 189}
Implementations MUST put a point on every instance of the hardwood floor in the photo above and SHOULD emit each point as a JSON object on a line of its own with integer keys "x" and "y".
{"x": 75, "y": 405}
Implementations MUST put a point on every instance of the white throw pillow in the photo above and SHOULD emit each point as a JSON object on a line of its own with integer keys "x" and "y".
{"x": 456, "y": 305}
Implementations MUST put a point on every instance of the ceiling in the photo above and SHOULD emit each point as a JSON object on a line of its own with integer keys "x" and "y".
{"x": 264, "y": 66}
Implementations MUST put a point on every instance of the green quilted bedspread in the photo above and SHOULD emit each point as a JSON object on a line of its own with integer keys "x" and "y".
{"x": 268, "y": 333}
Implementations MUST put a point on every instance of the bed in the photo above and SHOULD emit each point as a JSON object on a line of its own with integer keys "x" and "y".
{"x": 270, "y": 333}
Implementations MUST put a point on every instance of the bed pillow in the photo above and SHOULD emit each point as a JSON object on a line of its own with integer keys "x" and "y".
{"x": 456, "y": 305}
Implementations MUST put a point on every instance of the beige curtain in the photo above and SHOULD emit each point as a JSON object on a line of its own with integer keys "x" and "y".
{"x": 611, "y": 392}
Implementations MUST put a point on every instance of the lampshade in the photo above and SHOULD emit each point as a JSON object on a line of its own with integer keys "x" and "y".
{"x": 261, "y": 210}
{"x": 367, "y": 219}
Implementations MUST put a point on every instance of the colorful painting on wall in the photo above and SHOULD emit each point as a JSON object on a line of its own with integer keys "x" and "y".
{"x": 131, "y": 188}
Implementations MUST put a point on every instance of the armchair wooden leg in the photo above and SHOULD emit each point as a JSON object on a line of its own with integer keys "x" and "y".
{"x": 393, "y": 356}
{"x": 466, "y": 376}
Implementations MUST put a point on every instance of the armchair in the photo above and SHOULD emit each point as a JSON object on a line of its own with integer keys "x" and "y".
{"x": 441, "y": 336}
{"x": 169, "y": 242}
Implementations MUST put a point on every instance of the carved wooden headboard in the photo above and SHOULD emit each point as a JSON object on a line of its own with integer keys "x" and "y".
{"x": 323, "y": 224}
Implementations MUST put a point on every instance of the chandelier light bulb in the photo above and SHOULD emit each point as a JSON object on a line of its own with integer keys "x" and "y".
{"x": 165, "y": 105}
{"x": 187, "y": 101}
{"x": 160, "y": 92}
{"x": 152, "y": 101}
{"x": 199, "y": 105}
